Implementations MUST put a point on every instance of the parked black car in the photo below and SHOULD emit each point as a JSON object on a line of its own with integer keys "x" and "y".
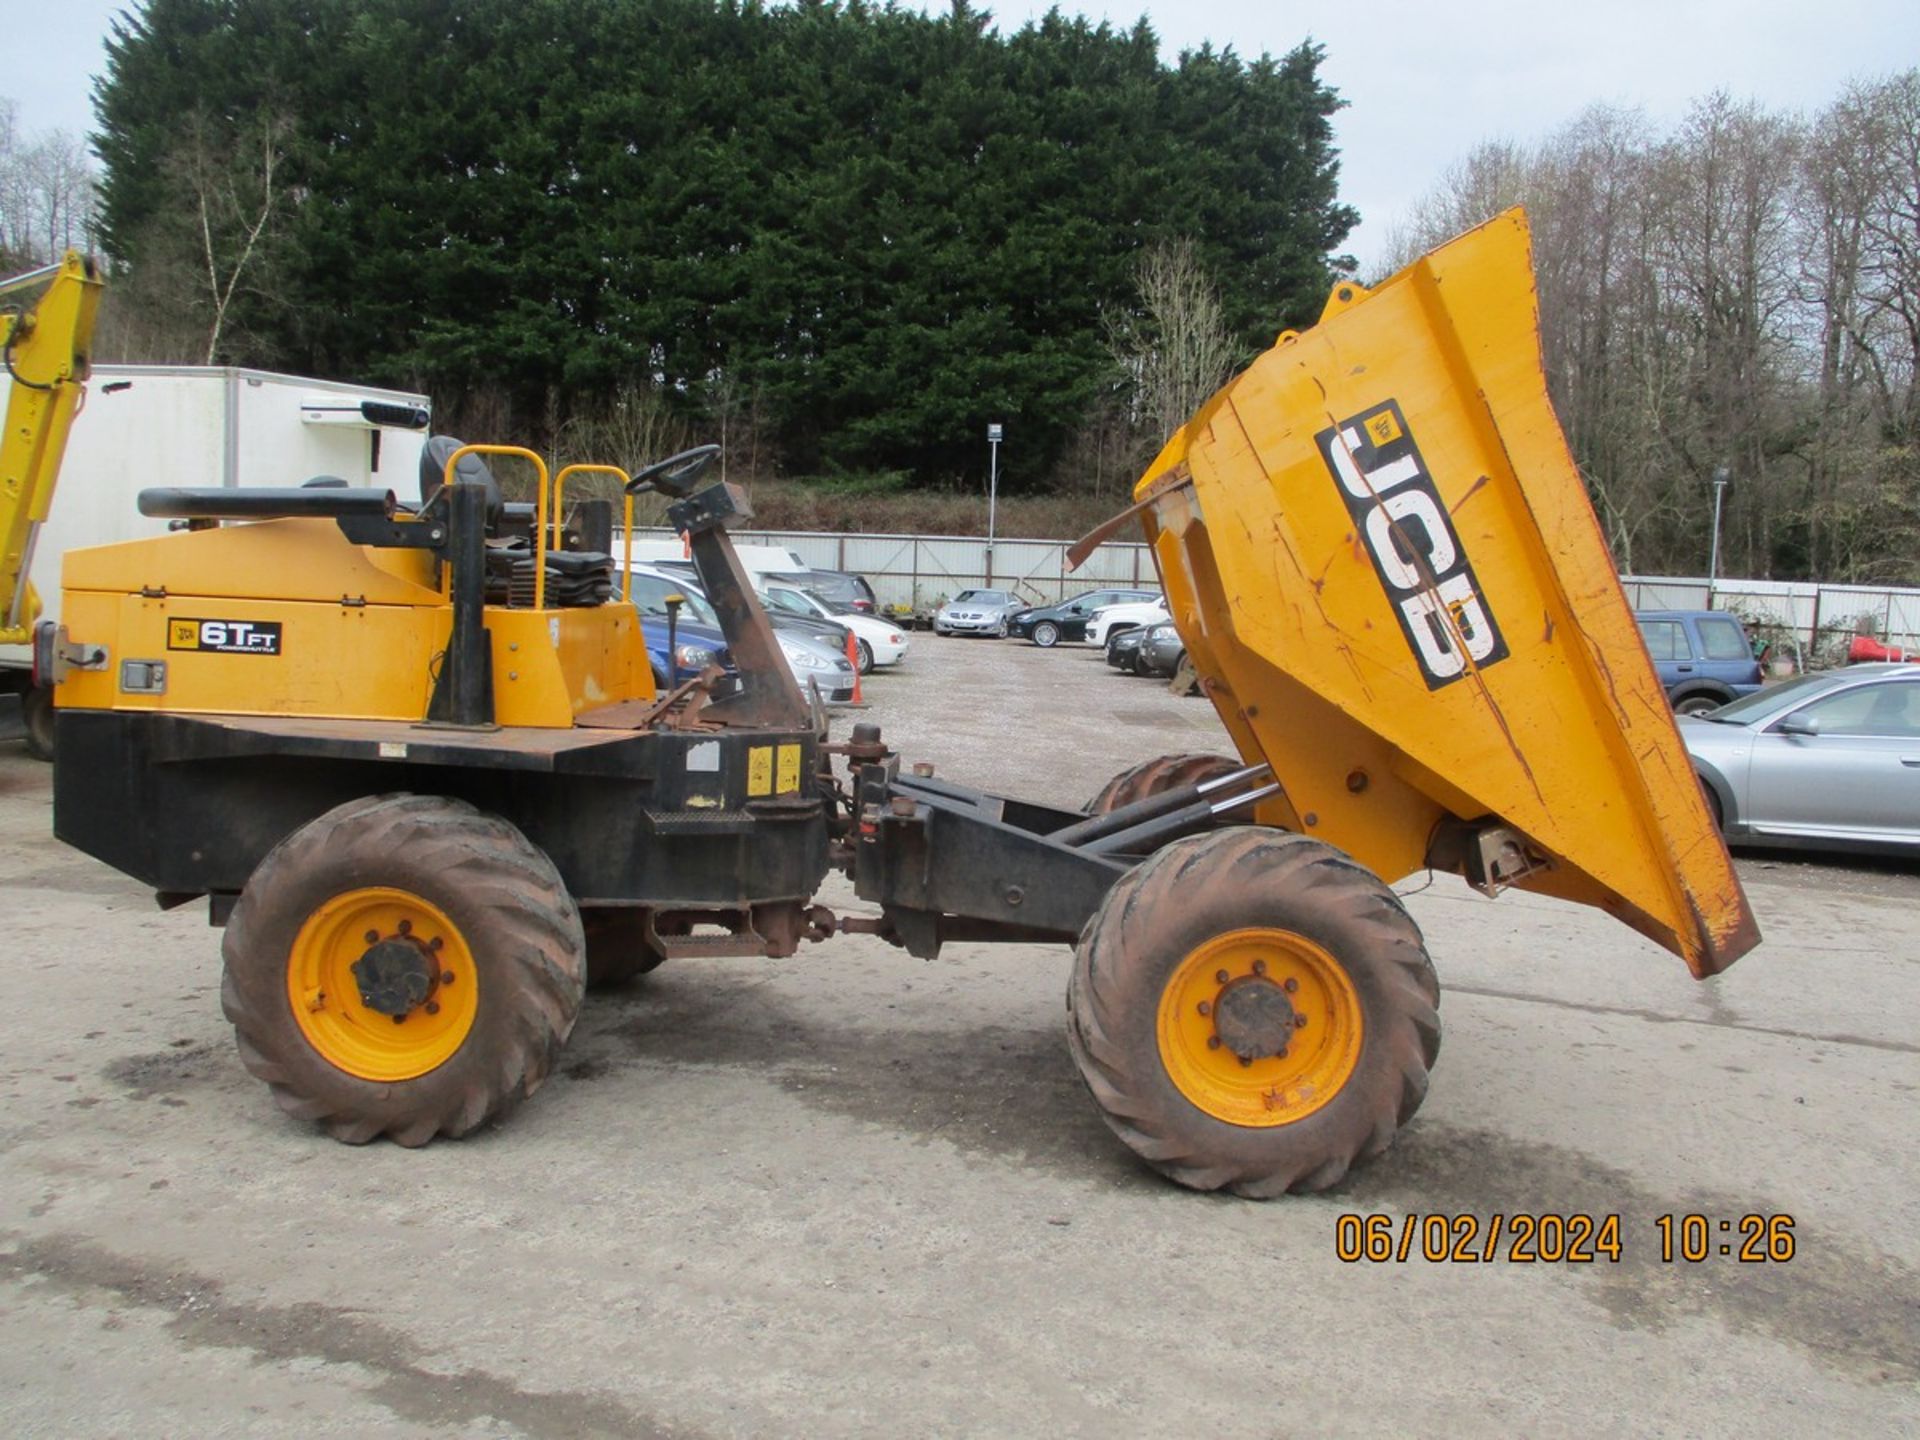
{"x": 1048, "y": 625}
{"x": 1162, "y": 650}
{"x": 1123, "y": 649}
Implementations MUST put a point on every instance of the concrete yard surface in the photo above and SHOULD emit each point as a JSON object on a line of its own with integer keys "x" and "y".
{"x": 857, "y": 1194}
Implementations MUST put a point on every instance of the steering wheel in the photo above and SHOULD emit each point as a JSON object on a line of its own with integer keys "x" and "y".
{"x": 675, "y": 474}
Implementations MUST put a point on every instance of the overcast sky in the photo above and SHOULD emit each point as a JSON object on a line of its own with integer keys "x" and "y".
{"x": 1424, "y": 81}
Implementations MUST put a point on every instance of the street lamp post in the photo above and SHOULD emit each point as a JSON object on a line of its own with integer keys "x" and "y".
{"x": 994, "y": 435}
{"x": 1721, "y": 477}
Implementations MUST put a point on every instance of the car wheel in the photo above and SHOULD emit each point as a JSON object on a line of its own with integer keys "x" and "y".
{"x": 1714, "y": 807}
{"x": 1697, "y": 704}
{"x": 1046, "y": 634}
{"x": 864, "y": 654}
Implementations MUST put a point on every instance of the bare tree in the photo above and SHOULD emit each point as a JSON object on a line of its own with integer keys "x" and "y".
{"x": 229, "y": 183}
{"x": 1743, "y": 290}
{"x": 46, "y": 193}
{"x": 1176, "y": 350}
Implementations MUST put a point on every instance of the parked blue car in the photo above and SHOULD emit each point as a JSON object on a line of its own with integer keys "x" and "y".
{"x": 1703, "y": 656}
{"x": 698, "y": 639}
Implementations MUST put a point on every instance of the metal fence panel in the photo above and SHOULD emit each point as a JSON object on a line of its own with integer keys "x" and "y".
{"x": 923, "y": 569}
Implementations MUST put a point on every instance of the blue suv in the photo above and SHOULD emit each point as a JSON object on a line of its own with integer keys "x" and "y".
{"x": 1703, "y": 656}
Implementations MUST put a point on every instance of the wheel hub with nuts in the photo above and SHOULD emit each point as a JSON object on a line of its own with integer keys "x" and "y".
{"x": 382, "y": 984}
{"x": 395, "y": 975}
{"x": 1259, "y": 1027}
{"x": 1254, "y": 1018}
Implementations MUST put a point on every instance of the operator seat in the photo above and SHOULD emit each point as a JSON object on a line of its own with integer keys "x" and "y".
{"x": 433, "y": 469}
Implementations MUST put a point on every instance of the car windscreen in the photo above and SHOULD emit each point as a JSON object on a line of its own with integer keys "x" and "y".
{"x": 981, "y": 597}
{"x": 650, "y": 594}
{"x": 1764, "y": 702}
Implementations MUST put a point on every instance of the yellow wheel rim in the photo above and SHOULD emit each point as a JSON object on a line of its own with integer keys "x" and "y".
{"x": 420, "y": 967}
{"x": 1259, "y": 1027}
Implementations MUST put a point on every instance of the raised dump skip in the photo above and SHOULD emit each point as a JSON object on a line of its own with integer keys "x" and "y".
{"x": 1387, "y": 572}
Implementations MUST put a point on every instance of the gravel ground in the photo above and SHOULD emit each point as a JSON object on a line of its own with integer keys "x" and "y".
{"x": 857, "y": 1194}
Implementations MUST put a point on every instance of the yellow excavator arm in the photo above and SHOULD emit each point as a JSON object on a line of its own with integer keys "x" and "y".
{"x": 44, "y": 348}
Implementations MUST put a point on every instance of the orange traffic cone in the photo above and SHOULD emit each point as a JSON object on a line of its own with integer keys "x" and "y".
{"x": 853, "y": 659}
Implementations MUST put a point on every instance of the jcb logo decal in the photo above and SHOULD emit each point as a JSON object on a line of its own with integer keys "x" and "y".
{"x": 225, "y": 637}
{"x": 1416, "y": 551}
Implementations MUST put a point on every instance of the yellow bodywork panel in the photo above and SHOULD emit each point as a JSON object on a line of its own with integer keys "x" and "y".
{"x": 1386, "y": 571}
{"x": 46, "y": 354}
{"x": 350, "y": 632}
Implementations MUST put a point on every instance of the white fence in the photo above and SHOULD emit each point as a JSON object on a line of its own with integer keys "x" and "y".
{"x": 924, "y": 569}
{"x": 1813, "y": 614}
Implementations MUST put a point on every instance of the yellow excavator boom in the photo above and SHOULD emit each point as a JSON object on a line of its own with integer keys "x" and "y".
{"x": 1384, "y": 565}
{"x": 44, "y": 348}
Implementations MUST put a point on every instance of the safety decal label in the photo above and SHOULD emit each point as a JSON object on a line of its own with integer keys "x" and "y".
{"x": 225, "y": 637}
{"x": 1415, "y": 550}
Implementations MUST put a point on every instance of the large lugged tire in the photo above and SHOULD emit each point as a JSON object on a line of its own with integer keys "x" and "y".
{"x": 1152, "y": 776}
{"x": 617, "y": 948}
{"x": 1253, "y": 1011}
{"x": 413, "y": 905}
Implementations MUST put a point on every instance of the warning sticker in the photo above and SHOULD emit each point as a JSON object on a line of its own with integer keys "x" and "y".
{"x": 789, "y": 769}
{"x": 760, "y": 770}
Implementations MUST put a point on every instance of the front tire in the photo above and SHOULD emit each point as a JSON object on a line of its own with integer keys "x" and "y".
{"x": 1698, "y": 704}
{"x": 410, "y": 905}
{"x": 1253, "y": 1011}
{"x": 1151, "y": 777}
{"x": 863, "y": 653}
{"x": 1046, "y": 634}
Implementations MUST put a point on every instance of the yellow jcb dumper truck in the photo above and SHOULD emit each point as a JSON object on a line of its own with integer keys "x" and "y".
{"x": 413, "y": 756}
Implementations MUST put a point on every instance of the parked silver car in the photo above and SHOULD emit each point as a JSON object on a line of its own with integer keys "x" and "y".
{"x": 815, "y": 660}
{"x": 976, "y": 612}
{"x": 1827, "y": 761}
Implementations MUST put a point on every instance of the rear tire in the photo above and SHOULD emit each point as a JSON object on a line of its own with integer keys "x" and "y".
{"x": 1150, "y": 777}
{"x": 1046, "y": 634}
{"x": 1697, "y": 704}
{"x": 512, "y": 940}
{"x": 617, "y": 949}
{"x": 1301, "y": 933}
{"x": 36, "y": 713}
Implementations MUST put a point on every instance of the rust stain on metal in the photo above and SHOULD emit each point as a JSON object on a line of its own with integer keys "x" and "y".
{"x": 1469, "y": 493}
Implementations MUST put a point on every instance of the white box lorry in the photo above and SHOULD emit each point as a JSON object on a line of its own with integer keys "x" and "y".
{"x": 197, "y": 425}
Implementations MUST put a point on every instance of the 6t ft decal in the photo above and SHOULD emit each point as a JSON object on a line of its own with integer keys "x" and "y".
{"x": 225, "y": 637}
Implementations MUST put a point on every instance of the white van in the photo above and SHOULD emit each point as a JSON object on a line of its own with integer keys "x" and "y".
{"x": 756, "y": 560}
